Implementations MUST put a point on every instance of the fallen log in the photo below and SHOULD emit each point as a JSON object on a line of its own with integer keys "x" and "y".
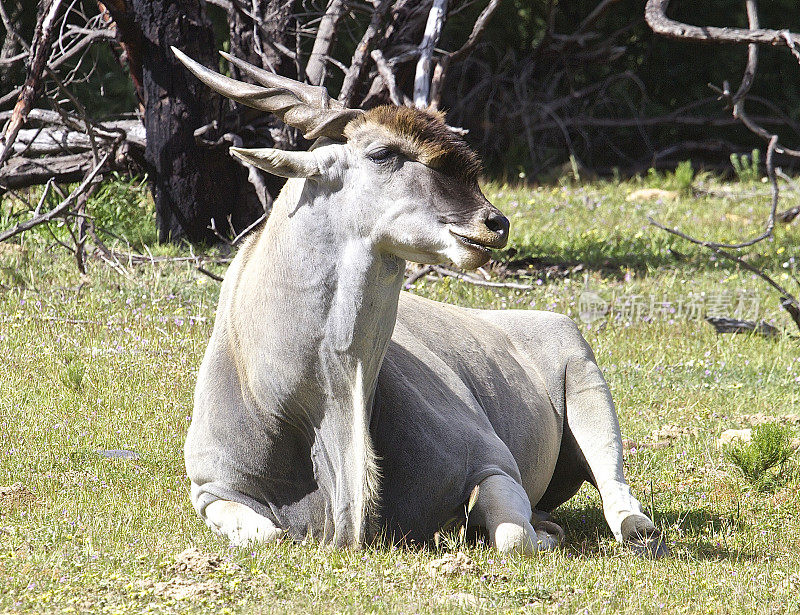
{"x": 62, "y": 140}
{"x": 20, "y": 172}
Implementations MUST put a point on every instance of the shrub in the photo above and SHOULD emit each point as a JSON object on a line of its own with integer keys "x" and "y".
{"x": 763, "y": 460}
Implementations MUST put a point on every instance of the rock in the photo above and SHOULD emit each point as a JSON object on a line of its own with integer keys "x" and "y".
{"x": 452, "y": 565}
{"x": 729, "y": 436}
{"x": 652, "y": 194}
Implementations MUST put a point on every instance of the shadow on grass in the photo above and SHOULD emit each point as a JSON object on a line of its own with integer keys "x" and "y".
{"x": 587, "y": 533}
{"x": 614, "y": 258}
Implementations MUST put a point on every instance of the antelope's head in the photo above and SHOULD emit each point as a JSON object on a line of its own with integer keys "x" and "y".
{"x": 411, "y": 184}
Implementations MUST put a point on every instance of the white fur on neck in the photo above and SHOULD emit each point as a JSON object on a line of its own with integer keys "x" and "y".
{"x": 365, "y": 469}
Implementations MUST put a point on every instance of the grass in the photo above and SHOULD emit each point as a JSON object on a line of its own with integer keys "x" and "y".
{"x": 107, "y": 361}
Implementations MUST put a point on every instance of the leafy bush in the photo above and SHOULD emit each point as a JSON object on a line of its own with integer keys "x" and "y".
{"x": 763, "y": 460}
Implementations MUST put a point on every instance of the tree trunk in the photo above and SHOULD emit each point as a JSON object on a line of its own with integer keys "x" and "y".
{"x": 192, "y": 184}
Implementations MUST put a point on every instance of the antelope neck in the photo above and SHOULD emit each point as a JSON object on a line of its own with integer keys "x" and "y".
{"x": 332, "y": 301}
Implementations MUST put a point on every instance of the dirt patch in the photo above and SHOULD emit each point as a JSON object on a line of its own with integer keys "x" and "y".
{"x": 181, "y": 588}
{"x": 15, "y": 496}
{"x": 187, "y": 582}
{"x": 451, "y": 565}
{"x": 652, "y": 194}
{"x": 661, "y": 437}
{"x": 761, "y": 419}
{"x": 194, "y": 561}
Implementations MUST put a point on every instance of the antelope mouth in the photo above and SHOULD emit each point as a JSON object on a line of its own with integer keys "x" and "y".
{"x": 479, "y": 245}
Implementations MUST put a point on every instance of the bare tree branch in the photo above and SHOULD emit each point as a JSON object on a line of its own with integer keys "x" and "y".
{"x": 388, "y": 77}
{"x": 655, "y": 14}
{"x": 315, "y": 69}
{"x": 657, "y": 19}
{"x": 433, "y": 30}
{"x": 437, "y": 82}
{"x": 40, "y": 48}
{"x": 444, "y": 271}
{"x": 353, "y": 75}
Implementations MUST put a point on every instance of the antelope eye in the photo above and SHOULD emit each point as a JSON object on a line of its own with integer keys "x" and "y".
{"x": 381, "y": 155}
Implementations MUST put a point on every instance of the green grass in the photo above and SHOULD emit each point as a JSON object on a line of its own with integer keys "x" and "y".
{"x": 108, "y": 361}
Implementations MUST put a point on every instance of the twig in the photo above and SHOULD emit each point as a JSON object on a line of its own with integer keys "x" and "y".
{"x": 315, "y": 68}
{"x": 388, "y": 77}
{"x": 790, "y": 214}
{"x": 419, "y": 273}
{"x": 477, "y": 281}
{"x": 213, "y": 276}
{"x": 237, "y": 238}
{"x": 790, "y": 299}
{"x": 437, "y": 82}
{"x": 59, "y": 209}
{"x": 592, "y": 17}
{"x": 353, "y": 75}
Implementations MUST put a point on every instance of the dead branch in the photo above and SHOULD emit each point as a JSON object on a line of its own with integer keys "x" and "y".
{"x": 656, "y": 17}
{"x": 353, "y": 75}
{"x": 60, "y": 139}
{"x": 40, "y": 48}
{"x": 116, "y": 14}
{"x": 433, "y": 30}
{"x": 315, "y": 69}
{"x": 237, "y": 237}
{"x": 786, "y": 299}
{"x": 596, "y": 14}
{"x": 790, "y": 214}
{"x": 418, "y": 274}
{"x": 770, "y": 220}
{"x": 437, "y": 81}
{"x": 387, "y": 76}
{"x": 213, "y": 276}
{"x": 444, "y": 271}
{"x": 655, "y": 13}
{"x": 21, "y": 172}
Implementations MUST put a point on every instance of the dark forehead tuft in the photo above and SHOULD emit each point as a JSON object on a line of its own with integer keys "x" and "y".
{"x": 434, "y": 143}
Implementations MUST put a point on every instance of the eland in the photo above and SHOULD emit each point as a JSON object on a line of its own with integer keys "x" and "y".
{"x": 331, "y": 404}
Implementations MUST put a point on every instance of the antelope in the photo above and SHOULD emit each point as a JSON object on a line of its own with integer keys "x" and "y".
{"x": 331, "y": 404}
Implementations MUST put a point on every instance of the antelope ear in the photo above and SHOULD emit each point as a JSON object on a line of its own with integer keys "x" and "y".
{"x": 280, "y": 162}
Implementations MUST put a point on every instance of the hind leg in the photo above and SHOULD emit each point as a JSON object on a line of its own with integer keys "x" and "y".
{"x": 504, "y": 510}
{"x": 238, "y": 523}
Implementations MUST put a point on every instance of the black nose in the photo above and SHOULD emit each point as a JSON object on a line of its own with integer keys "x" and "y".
{"x": 498, "y": 224}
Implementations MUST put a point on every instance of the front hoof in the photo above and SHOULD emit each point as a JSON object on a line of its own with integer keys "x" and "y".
{"x": 643, "y": 539}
